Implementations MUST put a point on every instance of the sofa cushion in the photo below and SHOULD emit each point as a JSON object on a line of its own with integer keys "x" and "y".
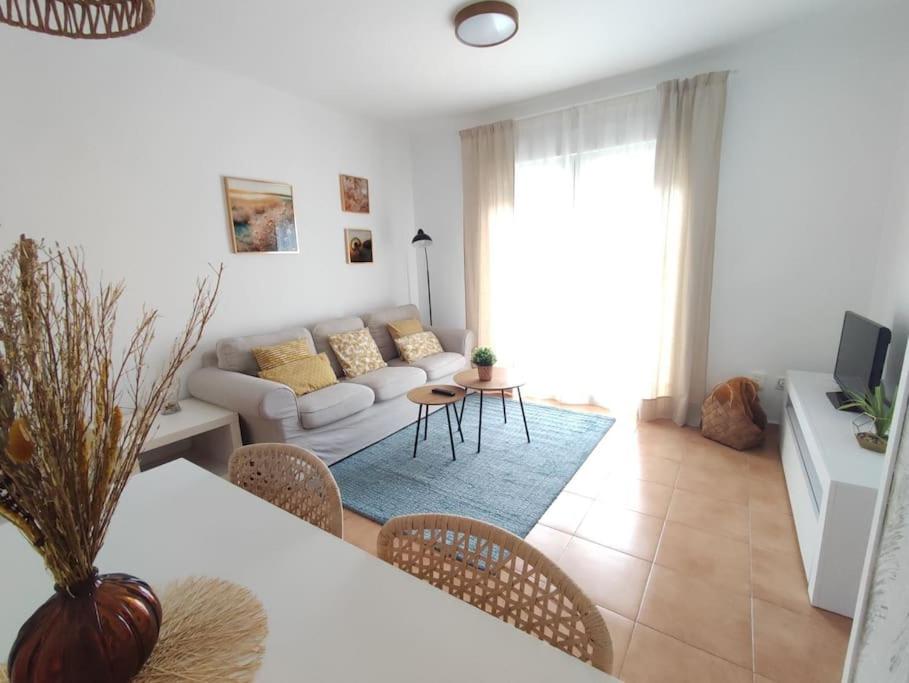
{"x": 304, "y": 375}
{"x": 391, "y": 382}
{"x": 417, "y": 346}
{"x": 356, "y": 352}
{"x": 377, "y": 322}
{"x": 333, "y": 403}
{"x": 235, "y": 353}
{"x": 324, "y": 330}
{"x": 404, "y": 328}
{"x": 270, "y": 357}
{"x": 435, "y": 366}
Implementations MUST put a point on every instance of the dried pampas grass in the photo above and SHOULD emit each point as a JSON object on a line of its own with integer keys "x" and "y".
{"x": 212, "y": 630}
{"x": 73, "y": 412}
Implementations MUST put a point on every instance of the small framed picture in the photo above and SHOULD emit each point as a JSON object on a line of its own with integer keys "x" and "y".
{"x": 358, "y": 245}
{"x": 260, "y": 215}
{"x": 354, "y": 194}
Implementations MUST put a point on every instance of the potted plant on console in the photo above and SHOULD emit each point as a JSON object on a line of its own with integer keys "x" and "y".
{"x": 484, "y": 359}
{"x": 878, "y": 413}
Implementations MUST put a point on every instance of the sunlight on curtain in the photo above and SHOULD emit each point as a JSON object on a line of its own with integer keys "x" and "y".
{"x": 487, "y": 163}
{"x": 578, "y": 275}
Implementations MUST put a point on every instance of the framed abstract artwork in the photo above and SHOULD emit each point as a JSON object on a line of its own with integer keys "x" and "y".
{"x": 354, "y": 194}
{"x": 358, "y": 245}
{"x": 260, "y": 215}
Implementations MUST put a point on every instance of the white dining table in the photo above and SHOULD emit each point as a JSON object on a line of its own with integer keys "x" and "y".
{"x": 335, "y": 613}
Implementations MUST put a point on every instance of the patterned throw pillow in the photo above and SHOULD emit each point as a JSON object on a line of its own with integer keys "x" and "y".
{"x": 404, "y": 328}
{"x": 269, "y": 357}
{"x": 303, "y": 375}
{"x": 357, "y": 352}
{"x": 416, "y": 346}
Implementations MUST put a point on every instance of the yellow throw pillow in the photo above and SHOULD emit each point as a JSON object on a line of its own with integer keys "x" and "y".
{"x": 413, "y": 347}
{"x": 404, "y": 328}
{"x": 356, "y": 352}
{"x": 303, "y": 375}
{"x": 269, "y": 357}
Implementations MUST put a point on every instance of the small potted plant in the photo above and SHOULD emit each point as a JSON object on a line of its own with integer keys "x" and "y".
{"x": 484, "y": 359}
{"x": 879, "y": 413}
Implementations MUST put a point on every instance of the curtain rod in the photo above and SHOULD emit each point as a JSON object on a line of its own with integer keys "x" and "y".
{"x": 597, "y": 100}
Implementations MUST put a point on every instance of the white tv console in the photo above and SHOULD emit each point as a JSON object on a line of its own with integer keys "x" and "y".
{"x": 833, "y": 486}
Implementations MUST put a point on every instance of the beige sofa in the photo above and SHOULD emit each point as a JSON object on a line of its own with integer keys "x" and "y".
{"x": 338, "y": 420}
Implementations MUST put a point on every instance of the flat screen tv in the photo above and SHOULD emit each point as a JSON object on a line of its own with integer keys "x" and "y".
{"x": 860, "y": 358}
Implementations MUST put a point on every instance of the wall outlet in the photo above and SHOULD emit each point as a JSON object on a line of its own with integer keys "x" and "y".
{"x": 780, "y": 383}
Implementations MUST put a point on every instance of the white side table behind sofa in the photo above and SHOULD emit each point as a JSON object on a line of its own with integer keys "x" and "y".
{"x": 204, "y": 433}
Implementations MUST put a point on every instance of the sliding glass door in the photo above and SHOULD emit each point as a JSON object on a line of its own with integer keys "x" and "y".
{"x": 577, "y": 276}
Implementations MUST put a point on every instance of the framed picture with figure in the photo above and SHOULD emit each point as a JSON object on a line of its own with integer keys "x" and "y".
{"x": 358, "y": 245}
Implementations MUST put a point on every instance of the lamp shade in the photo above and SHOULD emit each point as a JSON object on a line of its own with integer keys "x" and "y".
{"x": 421, "y": 240}
{"x": 79, "y": 18}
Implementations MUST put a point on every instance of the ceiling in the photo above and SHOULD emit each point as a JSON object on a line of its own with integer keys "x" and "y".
{"x": 399, "y": 59}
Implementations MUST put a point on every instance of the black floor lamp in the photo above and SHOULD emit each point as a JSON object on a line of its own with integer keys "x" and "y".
{"x": 424, "y": 241}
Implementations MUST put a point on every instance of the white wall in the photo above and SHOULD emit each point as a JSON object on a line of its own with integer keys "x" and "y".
{"x": 436, "y": 157}
{"x": 890, "y": 296}
{"x": 807, "y": 154}
{"x": 806, "y": 167}
{"x": 121, "y": 149}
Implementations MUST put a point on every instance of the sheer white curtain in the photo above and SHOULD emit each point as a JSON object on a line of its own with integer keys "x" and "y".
{"x": 595, "y": 281}
{"x": 576, "y": 277}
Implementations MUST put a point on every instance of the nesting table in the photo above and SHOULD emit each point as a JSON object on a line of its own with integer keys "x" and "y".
{"x": 424, "y": 398}
{"x": 502, "y": 380}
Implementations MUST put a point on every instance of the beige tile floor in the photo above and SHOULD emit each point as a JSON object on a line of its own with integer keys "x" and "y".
{"x": 689, "y": 550}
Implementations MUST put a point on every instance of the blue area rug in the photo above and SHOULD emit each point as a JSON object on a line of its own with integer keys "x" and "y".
{"x": 510, "y": 483}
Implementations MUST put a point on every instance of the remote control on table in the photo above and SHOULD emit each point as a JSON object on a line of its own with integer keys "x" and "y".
{"x": 444, "y": 392}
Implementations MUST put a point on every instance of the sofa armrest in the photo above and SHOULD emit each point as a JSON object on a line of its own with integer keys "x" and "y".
{"x": 247, "y": 395}
{"x": 455, "y": 340}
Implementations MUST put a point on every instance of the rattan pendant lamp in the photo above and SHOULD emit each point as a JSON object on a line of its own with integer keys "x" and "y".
{"x": 79, "y": 18}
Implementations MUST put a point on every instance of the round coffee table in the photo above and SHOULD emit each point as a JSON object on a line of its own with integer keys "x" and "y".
{"x": 424, "y": 398}
{"x": 502, "y": 380}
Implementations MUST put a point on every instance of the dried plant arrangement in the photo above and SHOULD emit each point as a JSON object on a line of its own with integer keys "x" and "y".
{"x": 72, "y": 417}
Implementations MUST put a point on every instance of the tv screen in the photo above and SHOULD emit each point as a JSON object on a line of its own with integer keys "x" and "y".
{"x": 860, "y": 359}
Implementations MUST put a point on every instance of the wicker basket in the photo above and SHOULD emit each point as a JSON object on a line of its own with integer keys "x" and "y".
{"x": 732, "y": 414}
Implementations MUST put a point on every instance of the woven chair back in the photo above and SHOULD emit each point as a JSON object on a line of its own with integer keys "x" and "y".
{"x": 291, "y": 478}
{"x": 501, "y": 574}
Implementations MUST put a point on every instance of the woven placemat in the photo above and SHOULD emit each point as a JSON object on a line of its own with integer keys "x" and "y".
{"x": 212, "y": 630}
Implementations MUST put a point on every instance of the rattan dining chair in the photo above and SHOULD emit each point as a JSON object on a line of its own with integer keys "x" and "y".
{"x": 291, "y": 478}
{"x": 501, "y": 574}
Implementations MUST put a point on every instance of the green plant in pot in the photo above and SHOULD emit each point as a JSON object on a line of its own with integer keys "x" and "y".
{"x": 484, "y": 359}
{"x": 879, "y": 412}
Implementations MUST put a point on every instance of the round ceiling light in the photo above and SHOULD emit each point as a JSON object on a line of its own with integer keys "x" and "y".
{"x": 484, "y": 24}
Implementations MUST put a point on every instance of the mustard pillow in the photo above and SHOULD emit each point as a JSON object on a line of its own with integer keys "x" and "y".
{"x": 303, "y": 375}
{"x": 269, "y": 357}
{"x": 404, "y": 328}
{"x": 413, "y": 347}
{"x": 356, "y": 352}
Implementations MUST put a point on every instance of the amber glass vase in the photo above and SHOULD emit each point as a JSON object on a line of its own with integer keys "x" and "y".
{"x": 98, "y": 631}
